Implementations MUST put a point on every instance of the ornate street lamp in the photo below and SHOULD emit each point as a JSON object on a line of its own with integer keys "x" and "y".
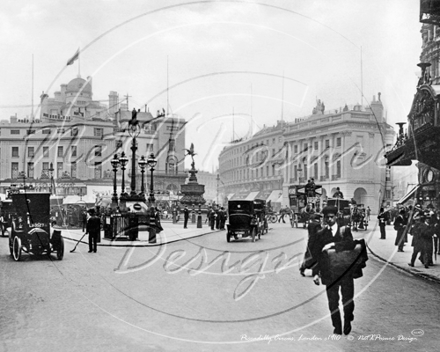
{"x": 123, "y": 160}
{"x": 115, "y": 163}
{"x": 151, "y": 161}
{"x": 51, "y": 170}
{"x": 133, "y": 131}
{"x": 142, "y": 164}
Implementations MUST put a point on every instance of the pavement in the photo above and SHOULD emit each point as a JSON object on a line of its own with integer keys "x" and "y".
{"x": 382, "y": 250}
{"x": 386, "y": 251}
{"x": 171, "y": 233}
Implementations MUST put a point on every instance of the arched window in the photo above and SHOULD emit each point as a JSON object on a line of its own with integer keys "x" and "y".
{"x": 171, "y": 165}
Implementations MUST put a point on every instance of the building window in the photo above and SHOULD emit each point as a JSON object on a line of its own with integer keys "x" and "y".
{"x": 327, "y": 169}
{"x": 31, "y": 170}
{"x": 59, "y": 169}
{"x": 31, "y": 152}
{"x": 316, "y": 145}
{"x": 15, "y": 152}
{"x": 273, "y": 152}
{"x": 46, "y": 131}
{"x": 45, "y": 152}
{"x": 295, "y": 172}
{"x": 171, "y": 167}
{"x": 338, "y": 141}
{"x": 98, "y": 150}
{"x": 98, "y": 170}
{"x": 60, "y": 152}
{"x": 338, "y": 168}
{"x": 315, "y": 169}
{"x": 60, "y": 130}
{"x": 98, "y": 132}
{"x": 305, "y": 146}
{"x": 46, "y": 168}
{"x": 30, "y": 132}
{"x": 73, "y": 169}
{"x": 388, "y": 194}
{"x": 73, "y": 150}
{"x": 295, "y": 148}
{"x": 74, "y": 131}
{"x": 15, "y": 131}
{"x": 14, "y": 170}
{"x": 327, "y": 144}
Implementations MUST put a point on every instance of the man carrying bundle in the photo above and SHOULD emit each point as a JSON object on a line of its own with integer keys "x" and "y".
{"x": 337, "y": 241}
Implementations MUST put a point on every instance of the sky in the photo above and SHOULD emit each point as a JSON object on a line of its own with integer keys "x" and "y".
{"x": 227, "y": 67}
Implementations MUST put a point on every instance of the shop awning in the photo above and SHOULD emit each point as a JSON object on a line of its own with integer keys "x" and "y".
{"x": 275, "y": 195}
{"x": 407, "y": 196}
{"x": 240, "y": 195}
{"x": 252, "y": 195}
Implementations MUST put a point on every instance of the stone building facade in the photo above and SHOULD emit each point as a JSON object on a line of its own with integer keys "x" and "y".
{"x": 79, "y": 136}
{"x": 341, "y": 148}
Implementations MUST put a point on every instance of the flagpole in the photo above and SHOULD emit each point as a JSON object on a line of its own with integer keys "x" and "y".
{"x": 32, "y": 111}
{"x": 79, "y": 66}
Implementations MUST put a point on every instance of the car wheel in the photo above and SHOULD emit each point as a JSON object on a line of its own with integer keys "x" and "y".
{"x": 16, "y": 249}
{"x": 273, "y": 219}
{"x": 60, "y": 250}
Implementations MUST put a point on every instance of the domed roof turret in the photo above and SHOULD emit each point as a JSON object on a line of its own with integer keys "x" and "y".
{"x": 76, "y": 84}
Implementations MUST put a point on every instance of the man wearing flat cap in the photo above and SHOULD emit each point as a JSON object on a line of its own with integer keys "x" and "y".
{"x": 340, "y": 238}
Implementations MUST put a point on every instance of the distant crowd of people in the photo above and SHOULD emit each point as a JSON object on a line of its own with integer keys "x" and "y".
{"x": 422, "y": 224}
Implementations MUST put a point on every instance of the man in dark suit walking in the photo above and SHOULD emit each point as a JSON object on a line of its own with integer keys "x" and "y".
{"x": 310, "y": 257}
{"x": 339, "y": 238}
{"x": 93, "y": 228}
{"x": 185, "y": 217}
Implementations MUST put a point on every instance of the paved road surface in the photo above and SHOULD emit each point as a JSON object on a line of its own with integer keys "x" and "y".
{"x": 204, "y": 294}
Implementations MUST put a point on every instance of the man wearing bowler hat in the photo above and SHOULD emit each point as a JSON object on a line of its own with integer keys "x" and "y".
{"x": 93, "y": 228}
{"x": 340, "y": 238}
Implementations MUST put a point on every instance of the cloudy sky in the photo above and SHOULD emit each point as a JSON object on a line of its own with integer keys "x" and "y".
{"x": 226, "y": 59}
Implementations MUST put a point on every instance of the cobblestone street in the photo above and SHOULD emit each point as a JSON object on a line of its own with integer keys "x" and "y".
{"x": 202, "y": 294}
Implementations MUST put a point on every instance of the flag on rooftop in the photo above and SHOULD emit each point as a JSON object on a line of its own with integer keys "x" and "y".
{"x": 73, "y": 58}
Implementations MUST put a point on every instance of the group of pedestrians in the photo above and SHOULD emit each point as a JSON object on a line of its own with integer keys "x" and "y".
{"x": 424, "y": 227}
{"x": 217, "y": 217}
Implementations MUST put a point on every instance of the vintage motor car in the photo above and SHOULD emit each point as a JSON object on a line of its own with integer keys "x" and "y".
{"x": 243, "y": 220}
{"x": 30, "y": 230}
